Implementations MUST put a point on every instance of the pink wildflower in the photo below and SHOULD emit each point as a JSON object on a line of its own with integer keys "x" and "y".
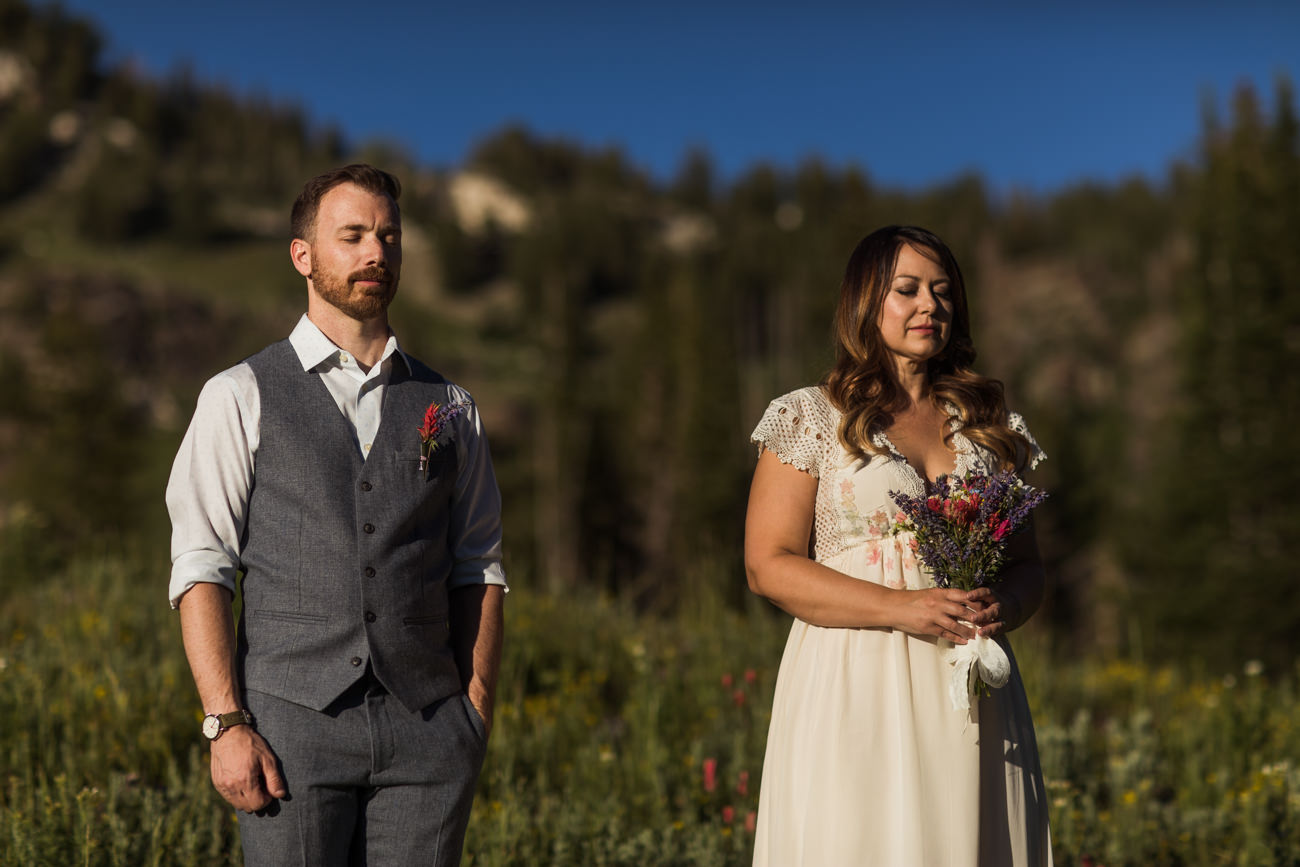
{"x": 726, "y": 680}
{"x": 751, "y": 821}
{"x": 710, "y": 774}
{"x": 738, "y": 698}
{"x": 751, "y": 676}
{"x": 742, "y": 784}
{"x": 432, "y": 424}
{"x": 728, "y": 814}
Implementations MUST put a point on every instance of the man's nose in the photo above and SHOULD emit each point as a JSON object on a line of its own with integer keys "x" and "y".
{"x": 376, "y": 251}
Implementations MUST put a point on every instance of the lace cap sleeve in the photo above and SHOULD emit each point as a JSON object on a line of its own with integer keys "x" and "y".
{"x": 797, "y": 428}
{"x": 1017, "y": 424}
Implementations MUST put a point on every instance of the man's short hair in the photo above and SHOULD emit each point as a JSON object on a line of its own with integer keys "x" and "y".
{"x": 302, "y": 222}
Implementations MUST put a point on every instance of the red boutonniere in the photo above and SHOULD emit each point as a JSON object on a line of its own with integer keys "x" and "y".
{"x": 436, "y": 418}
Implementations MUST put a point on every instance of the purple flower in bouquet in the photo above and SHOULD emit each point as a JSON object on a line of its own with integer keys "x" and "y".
{"x": 961, "y": 525}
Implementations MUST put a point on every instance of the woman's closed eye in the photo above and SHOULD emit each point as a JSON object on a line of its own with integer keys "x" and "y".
{"x": 939, "y": 291}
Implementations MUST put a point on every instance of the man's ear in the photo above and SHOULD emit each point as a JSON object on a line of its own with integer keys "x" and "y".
{"x": 300, "y": 254}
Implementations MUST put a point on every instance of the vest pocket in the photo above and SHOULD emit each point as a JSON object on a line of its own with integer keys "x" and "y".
{"x": 440, "y": 464}
{"x": 430, "y": 620}
{"x": 290, "y": 616}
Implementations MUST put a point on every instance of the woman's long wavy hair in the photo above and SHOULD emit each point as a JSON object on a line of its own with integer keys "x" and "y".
{"x": 864, "y": 384}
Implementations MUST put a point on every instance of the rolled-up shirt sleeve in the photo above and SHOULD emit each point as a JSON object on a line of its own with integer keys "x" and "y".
{"x": 475, "y": 531}
{"x": 211, "y": 478}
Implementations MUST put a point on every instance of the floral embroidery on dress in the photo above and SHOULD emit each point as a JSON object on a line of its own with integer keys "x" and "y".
{"x": 853, "y": 523}
{"x": 892, "y": 574}
{"x": 874, "y": 527}
{"x": 909, "y": 560}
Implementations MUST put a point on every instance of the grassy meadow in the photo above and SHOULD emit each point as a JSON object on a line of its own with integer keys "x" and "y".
{"x": 620, "y": 739}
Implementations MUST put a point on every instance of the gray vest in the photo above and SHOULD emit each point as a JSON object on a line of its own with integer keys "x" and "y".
{"x": 346, "y": 560}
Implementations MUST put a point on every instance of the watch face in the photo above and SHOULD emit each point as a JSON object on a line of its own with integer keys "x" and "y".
{"x": 211, "y": 727}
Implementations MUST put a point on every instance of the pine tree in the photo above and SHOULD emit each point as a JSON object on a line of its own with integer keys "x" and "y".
{"x": 1215, "y": 569}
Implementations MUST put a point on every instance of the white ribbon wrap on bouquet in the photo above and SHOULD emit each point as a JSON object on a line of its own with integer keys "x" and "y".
{"x": 980, "y": 657}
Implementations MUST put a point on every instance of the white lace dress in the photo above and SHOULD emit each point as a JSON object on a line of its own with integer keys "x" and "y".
{"x": 867, "y": 762}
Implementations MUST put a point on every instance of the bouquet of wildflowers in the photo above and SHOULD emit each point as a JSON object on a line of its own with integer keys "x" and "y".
{"x": 961, "y": 525}
{"x": 960, "y": 529}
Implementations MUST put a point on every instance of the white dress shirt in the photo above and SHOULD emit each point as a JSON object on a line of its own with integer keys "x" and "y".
{"x": 207, "y": 494}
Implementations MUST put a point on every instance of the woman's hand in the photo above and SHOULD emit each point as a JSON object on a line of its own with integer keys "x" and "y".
{"x": 1020, "y": 590}
{"x": 938, "y": 611}
{"x": 1001, "y": 614}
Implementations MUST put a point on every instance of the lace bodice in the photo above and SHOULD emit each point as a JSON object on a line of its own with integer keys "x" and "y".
{"x": 802, "y": 429}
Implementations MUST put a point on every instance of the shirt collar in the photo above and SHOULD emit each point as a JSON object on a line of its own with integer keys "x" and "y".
{"x": 312, "y": 346}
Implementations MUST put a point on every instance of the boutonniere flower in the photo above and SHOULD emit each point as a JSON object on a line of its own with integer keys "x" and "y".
{"x": 436, "y": 418}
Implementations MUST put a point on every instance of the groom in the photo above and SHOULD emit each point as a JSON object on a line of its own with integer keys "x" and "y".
{"x": 353, "y": 487}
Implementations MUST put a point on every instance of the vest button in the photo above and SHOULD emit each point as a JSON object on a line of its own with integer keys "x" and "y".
{"x": 365, "y": 486}
{"x": 370, "y": 617}
{"x": 370, "y": 571}
{"x": 356, "y": 660}
{"x": 369, "y": 528}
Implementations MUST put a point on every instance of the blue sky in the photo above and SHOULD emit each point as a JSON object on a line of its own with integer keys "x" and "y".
{"x": 1033, "y": 96}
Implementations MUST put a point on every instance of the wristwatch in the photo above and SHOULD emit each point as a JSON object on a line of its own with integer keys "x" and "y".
{"x": 214, "y": 724}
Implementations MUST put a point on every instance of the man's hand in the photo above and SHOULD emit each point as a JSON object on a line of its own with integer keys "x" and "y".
{"x": 245, "y": 770}
{"x": 477, "y": 624}
{"x": 483, "y": 704}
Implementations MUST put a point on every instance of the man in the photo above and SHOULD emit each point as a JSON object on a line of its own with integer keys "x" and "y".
{"x": 353, "y": 486}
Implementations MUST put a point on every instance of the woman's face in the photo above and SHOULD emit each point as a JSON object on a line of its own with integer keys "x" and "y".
{"x": 916, "y": 314}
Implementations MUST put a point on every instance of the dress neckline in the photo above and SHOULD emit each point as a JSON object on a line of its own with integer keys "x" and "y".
{"x": 961, "y": 447}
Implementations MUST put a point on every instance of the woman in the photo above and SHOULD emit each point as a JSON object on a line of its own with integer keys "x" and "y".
{"x": 867, "y": 761}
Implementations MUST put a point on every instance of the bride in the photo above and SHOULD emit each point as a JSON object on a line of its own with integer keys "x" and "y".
{"x": 868, "y": 762}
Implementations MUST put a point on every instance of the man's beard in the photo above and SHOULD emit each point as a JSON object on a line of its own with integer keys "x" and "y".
{"x": 356, "y": 303}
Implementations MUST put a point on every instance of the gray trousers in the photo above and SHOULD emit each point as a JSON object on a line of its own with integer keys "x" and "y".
{"x": 370, "y": 783}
